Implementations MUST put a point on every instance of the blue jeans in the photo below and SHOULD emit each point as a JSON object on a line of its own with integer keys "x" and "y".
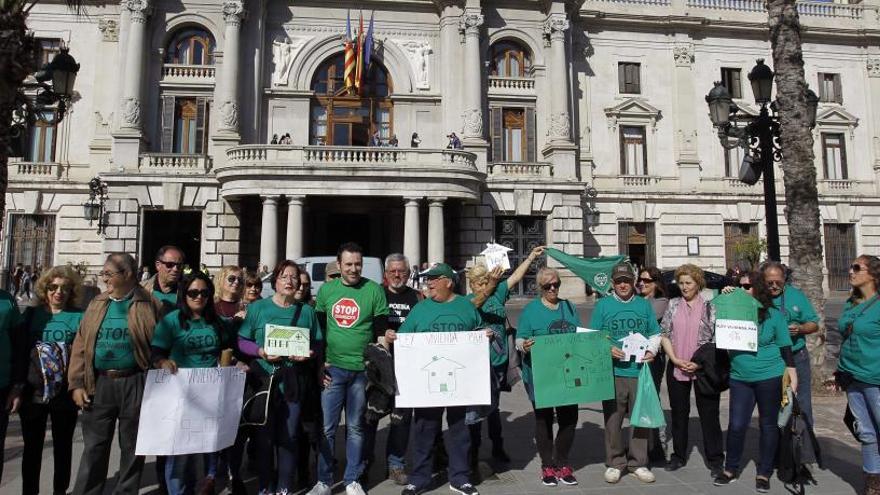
{"x": 427, "y": 423}
{"x": 180, "y": 474}
{"x": 278, "y": 437}
{"x": 864, "y": 402}
{"x": 743, "y": 396}
{"x": 346, "y": 389}
{"x": 805, "y": 377}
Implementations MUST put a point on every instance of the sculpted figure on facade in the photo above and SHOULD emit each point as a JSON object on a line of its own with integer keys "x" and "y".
{"x": 109, "y": 29}
{"x": 472, "y": 123}
{"x": 418, "y": 54}
{"x": 229, "y": 115}
{"x": 131, "y": 112}
{"x": 873, "y": 66}
{"x": 560, "y": 126}
{"x": 683, "y": 53}
{"x": 284, "y": 50}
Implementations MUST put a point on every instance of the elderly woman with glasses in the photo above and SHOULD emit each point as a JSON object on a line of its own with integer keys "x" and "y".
{"x": 549, "y": 315}
{"x": 192, "y": 336}
{"x": 227, "y": 302}
{"x": 50, "y": 327}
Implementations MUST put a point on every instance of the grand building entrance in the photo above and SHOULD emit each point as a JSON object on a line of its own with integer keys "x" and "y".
{"x": 375, "y": 223}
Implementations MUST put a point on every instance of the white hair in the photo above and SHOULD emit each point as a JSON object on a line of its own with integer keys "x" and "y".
{"x": 395, "y": 257}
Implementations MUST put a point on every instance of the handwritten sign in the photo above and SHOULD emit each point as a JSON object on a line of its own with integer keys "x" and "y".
{"x": 194, "y": 411}
{"x": 736, "y": 335}
{"x": 286, "y": 341}
{"x": 496, "y": 255}
{"x": 572, "y": 368}
{"x": 737, "y": 305}
{"x": 441, "y": 369}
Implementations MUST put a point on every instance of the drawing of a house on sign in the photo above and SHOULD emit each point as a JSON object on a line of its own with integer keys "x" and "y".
{"x": 441, "y": 374}
{"x": 634, "y": 345}
{"x": 574, "y": 370}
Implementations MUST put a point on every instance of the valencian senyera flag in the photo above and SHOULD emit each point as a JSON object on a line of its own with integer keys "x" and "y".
{"x": 596, "y": 272}
{"x": 350, "y": 56}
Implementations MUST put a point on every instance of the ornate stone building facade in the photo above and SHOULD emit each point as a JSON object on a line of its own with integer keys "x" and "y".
{"x": 178, "y": 102}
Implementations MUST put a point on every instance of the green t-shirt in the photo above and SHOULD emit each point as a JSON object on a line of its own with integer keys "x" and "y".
{"x": 495, "y": 317}
{"x": 10, "y": 319}
{"x": 168, "y": 299}
{"x": 59, "y": 327}
{"x": 767, "y": 362}
{"x": 113, "y": 349}
{"x": 197, "y": 346}
{"x": 537, "y": 320}
{"x": 860, "y": 352}
{"x": 265, "y": 311}
{"x": 457, "y": 315}
{"x": 350, "y": 312}
{"x": 619, "y": 319}
{"x": 796, "y": 308}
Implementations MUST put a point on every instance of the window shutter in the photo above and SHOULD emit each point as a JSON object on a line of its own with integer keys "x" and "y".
{"x": 497, "y": 131}
{"x": 650, "y": 255}
{"x": 843, "y": 173}
{"x": 167, "y": 124}
{"x": 636, "y": 78}
{"x": 822, "y": 95}
{"x": 622, "y": 152}
{"x": 644, "y": 151}
{"x": 621, "y": 78}
{"x": 201, "y": 116}
{"x": 838, "y": 89}
{"x": 622, "y": 238}
{"x": 531, "y": 136}
{"x": 825, "y": 155}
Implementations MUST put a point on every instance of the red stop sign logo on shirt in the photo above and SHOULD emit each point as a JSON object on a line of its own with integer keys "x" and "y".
{"x": 346, "y": 312}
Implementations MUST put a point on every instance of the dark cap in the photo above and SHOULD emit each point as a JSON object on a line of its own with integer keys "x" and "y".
{"x": 623, "y": 271}
{"x": 331, "y": 269}
{"x": 440, "y": 270}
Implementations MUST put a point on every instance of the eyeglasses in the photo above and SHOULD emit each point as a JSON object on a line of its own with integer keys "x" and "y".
{"x": 397, "y": 272}
{"x": 335, "y": 275}
{"x": 233, "y": 279}
{"x": 195, "y": 293}
{"x": 775, "y": 283}
{"x": 551, "y": 285}
{"x": 170, "y": 264}
{"x": 856, "y": 268}
{"x": 108, "y": 273}
{"x": 746, "y": 286}
{"x": 55, "y": 287}
{"x": 646, "y": 280}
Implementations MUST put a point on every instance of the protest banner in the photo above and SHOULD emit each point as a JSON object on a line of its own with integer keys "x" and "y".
{"x": 440, "y": 369}
{"x": 572, "y": 368}
{"x": 194, "y": 411}
{"x": 286, "y": 341}
{"x": 496, "y": 255}
{"x": 736, "y": 321}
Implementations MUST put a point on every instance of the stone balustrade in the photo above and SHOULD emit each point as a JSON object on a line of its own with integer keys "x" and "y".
{"x": 511, "y": 84}
{"x": 22, "y": 170}
{"x": 174, "y": 163}
{"x": 188, "y": 74}
{"x": 513, "y": 170}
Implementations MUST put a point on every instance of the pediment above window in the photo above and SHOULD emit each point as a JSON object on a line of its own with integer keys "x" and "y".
{"x": 633, "y": 111}
{"x": 836, "y": 118}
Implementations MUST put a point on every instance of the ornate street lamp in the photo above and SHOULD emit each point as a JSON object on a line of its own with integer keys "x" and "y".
{"x": 93, "y": 209}
{"x": 592, "y": 215}
{"x": 759, "y": 136}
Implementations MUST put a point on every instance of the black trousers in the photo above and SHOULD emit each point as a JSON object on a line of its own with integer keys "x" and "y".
{"x": 710, "y": 423}
{"x": 555, "y": 454}
{"x": 64, "y": 413}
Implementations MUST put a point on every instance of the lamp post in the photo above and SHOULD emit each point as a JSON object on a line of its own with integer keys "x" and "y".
{"x": 759, "y": 135}
{"x": 592, "y": 215}
{"x": 93, "y": 209}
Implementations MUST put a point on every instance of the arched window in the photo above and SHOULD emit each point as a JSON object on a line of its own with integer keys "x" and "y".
{"x": 510, "y": 59}
{"x": 348, "y": 116}
{"x": 191, "y": 46}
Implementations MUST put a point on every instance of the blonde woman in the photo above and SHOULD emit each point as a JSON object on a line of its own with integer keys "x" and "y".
{"x": 230, "y": 288}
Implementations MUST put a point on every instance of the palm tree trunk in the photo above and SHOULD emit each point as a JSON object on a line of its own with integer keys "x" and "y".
{"x": 799, "y": 171}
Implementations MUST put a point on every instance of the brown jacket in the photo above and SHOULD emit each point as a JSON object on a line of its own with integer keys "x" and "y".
{"x": 143, "y": 315}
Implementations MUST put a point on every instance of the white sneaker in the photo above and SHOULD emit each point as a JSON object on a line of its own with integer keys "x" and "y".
{"x": 644, "y": 475}
{"x": 612, "y": 475}
{"x": 320, "y": 489}
{"x": 354, "y": 488}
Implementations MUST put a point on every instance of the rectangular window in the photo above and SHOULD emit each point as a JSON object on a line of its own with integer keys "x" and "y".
{"x": 628, "y": 75}
{"x": 183, "y": 125}
{"x": 41, "y": 139}
{"x": 636, "y": 240}
{"x": 383, "y": 124}
{"x": 512, "y": 134}
{"x": 830, "y": 90}
{"x": 48, "y": 48}
{"x": 514, "y": 139}
{"x": 633, "y": 152}
{"x": 840, "y": 250}
{"x": 31, "y": 242}
{"x": 319, "y": 125}
{"x": 733, "y": 158}
{"x": 734, "y": 235}
{"x": 731, "y": 79}
{"x": 834, "y": 156}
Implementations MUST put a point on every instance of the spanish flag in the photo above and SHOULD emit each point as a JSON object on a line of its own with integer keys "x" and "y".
{"x": 359, "y": 64}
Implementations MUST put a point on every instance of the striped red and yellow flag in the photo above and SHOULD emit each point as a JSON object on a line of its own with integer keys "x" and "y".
{"x": 348, "y": 72}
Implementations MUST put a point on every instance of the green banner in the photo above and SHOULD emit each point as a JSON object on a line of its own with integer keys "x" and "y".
{"x": 572, "y": 368}
{"x": 738, "y": 305}
{"x": 596, "y": 272}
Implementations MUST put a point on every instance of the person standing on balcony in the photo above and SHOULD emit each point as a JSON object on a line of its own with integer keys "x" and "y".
{"x": 393, "y": 142}
{"x": 415, "y": 141}
{"x": 274, "y": 139}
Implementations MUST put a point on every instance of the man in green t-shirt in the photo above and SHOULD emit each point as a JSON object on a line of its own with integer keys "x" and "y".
{"x": 169, "y": 270}
{"x": 620, "y": 315}
{"x": 443, "y": 312}
{"x": 352, "y": 309}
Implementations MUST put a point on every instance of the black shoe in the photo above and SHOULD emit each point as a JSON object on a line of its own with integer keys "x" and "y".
{"x": 715, "y": 471}
{"x": 762, "y": 485}
{"x": 724, "y": 479}
{"x": 674, "y": 464}
{"x": 498, "y": 454}
{"x": 238, "y": 487}
{"x": 464, "y": 489}
{"x": 412, "y": 490}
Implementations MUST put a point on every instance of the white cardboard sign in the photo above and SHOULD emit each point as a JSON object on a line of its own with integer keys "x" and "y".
{"x": 282, "y": 340}
{"x": 440, "y": 369}
{"x": 496, "y": 255}
{"x": 194, "y": 411}
{"x": 736, "y": 335}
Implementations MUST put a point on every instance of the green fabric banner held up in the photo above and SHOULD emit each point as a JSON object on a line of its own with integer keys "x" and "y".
{"x": 596, "y": 272}
{"x": 572, "y": 368}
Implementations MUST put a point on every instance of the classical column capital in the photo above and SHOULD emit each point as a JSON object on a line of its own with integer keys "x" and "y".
{"x": 233, "y": 12}
{"x": 555, "y": 26}
{"x": 436, "y": 202}
{"x": 139, "y": 10}
{"x": 683, "y": 53}
{"x": 873, "y": 66}
{"x": 412, "y": 201}
{"x": 270, "y": 200}
{"x": 470, "y": 22}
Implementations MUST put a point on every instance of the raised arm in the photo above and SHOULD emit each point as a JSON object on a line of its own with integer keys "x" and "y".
{"x": 520, "y": 271}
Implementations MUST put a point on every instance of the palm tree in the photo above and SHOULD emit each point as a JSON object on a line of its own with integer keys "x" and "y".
{"x": 799, "y": 171}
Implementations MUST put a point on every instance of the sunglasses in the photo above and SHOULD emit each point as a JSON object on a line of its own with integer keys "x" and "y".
{"x": 335, "y": 275}
{"x": 775, "y": 283}
{"x": 170, "y": 264}
{"x": 623, "y": 281}
{"x": 746, "y": 286}
{"x": 254, "y": 285}
{"x": 646, "y": 280}
{"x": 551, "y": 285}
{"x": 195, "y": 293}
{"x": 856, "y": 268}
{"x": 233, "y": 279}
{"x": 55, "y": 287}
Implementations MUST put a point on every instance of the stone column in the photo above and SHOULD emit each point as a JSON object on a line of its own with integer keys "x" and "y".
{"x": 269, "y": 232}
{"x": 685, "y": 117}
{"x": 412, "y": 232}
{"x": 435, "y": 230}
{"x": 450, "y": 77}
{"x": 873, "y": 66}
{"x": 227, "y": 90}
{"x": 138, "y": 12}
{"x": 472, "y": 115}
{"x": 555, "y": 27}
{"x": 294, "y": 239}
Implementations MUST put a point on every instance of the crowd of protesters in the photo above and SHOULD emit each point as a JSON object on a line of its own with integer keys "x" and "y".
{"x": 61, "y": 363}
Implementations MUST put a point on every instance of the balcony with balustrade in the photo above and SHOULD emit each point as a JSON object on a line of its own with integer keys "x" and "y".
{"x": 519, "y": 171}
{"x": 25, "y": 171}
{"x": 196, "y": 76}
{"x": 511, "y": 86}
{"x": 349, "y": 171}
{"x": 174, "y": 164}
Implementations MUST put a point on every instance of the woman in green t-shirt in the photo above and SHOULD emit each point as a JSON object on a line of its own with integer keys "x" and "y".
{"x": 858, "y": 371}
{"x": 192, "y": 336}
{"x": 548, "y": 315}
{"x": 49, "y": 326}
{"x": 756, "y": 378}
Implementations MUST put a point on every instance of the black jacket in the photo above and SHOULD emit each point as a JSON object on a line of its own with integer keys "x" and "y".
{"x": 713, "y": 375}
{"x": 381, "y": 384}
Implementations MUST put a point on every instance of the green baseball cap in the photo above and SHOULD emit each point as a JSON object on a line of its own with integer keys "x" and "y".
{"x": 440, "y": 270}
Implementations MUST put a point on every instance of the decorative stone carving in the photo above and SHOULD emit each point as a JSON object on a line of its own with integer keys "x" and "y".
{"x": 560, "y": 126}
{"x": 233, "y": 11}
{"x": 109, "y": 29}
{"x": 138, "y": 10}
{"x": 229, "y": 115}
{"x": 131, "y": 112}
{"x": 873, "y": 66}
{"x": 470, "y": 22}
{"x": 554, "y": 28}
{"x": 284, "y": 50}
{"x": 683, "y": 53}
{"x": 472, "y": 123}
{"x": 417, "y": 52}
